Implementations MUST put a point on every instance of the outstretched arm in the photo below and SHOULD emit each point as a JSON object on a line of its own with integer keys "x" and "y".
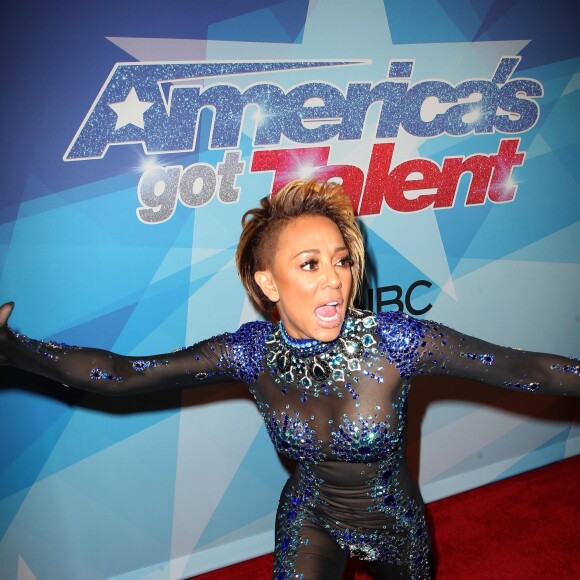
{"x": 446, "y": 351}
{"x": 108, "y": 373}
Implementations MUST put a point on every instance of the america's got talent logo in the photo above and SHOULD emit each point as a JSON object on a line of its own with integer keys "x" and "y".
{"x": 158, "y": 105}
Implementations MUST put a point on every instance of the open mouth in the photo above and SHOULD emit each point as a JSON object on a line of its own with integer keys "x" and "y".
{"x": 329, "y": 312}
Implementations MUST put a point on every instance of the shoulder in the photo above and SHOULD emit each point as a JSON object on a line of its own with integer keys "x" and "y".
{"x": 247, "y": 348}
{"x": 394, "y": 329}
{"x": 250, "y": 336}
{"x": 400, "y": 337}
{"x": 397, "y": 324}
{"x": 399, "y": 332}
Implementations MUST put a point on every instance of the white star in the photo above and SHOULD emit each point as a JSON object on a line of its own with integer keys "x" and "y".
{"x": 130, "y": 111}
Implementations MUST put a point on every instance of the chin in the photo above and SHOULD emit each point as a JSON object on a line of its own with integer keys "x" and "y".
{"x": 328, "y": 334}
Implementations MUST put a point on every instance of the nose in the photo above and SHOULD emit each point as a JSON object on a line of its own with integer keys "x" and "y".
{"x": 331, "y": 277}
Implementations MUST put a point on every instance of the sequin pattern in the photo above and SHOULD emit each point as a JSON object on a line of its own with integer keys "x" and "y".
{"x": 293, "y": 437}
{"x": 298, "y": 500}
{"x": 485, "y": 358}
{"x": 571, "y": 368}
{"x": 521, "y": 386}
{"x": 48, "y": 349}
{"x": 142, "y": 365}
{"x": 98, "y": 375}
{"x": 363, "y": 440}
{"x": 400, "y": 338}
{"x": 247, "y": 350}
{"x": 335, "y": 368}
{"x": 408, "y": 543}
{"x": 238, "y": 355}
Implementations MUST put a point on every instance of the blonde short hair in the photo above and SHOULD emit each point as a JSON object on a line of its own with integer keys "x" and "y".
{"x": 261, "y": 227}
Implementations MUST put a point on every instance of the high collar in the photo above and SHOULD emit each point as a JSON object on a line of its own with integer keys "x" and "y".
{"x": 307, "y": 346}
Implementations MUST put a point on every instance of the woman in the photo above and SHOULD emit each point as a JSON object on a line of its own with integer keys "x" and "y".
{"x": 330, "y": 381}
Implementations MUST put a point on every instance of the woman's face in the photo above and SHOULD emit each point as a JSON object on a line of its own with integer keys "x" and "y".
{"x": 310, "y": 278}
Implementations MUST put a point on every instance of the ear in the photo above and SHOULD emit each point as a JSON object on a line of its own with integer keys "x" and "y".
{"x": 265, "y": 281}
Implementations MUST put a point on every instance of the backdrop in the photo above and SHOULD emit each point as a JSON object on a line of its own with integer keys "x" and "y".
{"x": 135, "y": 135}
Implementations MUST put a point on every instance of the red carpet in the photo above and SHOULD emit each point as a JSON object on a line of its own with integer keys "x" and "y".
{"x": 522, "y": 528}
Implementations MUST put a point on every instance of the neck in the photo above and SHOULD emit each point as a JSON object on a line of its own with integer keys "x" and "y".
{"x": 305, "y": 346}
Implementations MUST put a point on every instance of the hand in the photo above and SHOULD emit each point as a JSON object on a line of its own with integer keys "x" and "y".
{"x": 5, "y": 312}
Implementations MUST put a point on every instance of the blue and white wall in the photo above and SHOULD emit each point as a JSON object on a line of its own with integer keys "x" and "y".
{"x": 120, "y": 212}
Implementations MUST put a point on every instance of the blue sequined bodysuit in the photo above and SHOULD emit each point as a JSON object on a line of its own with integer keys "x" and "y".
{"x": 338, "y": 409}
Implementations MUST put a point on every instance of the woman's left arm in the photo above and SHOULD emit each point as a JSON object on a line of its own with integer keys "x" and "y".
{"x": 443, "y": 350}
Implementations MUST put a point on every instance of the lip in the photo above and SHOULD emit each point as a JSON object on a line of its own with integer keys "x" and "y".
{"x": 335, "y": 320}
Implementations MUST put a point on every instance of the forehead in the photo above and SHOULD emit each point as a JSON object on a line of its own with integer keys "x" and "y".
{"x": 310, "y": 232}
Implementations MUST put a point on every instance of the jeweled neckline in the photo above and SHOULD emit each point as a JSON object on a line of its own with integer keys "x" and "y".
{"x": 305, "y": 346}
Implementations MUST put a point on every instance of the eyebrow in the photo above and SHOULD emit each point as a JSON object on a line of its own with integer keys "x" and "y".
{"x": 315, "y": 251}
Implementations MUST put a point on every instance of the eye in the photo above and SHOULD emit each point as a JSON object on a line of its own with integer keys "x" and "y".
{"x": 346, "y": 261}
{"x": 309, "y": 265}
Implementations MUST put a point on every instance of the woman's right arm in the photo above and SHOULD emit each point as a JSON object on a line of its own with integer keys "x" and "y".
{"x": 107, "y": 373}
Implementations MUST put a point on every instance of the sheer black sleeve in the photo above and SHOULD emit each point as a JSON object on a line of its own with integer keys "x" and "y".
{"x": 227, "y": 357}
{"x": 442, "y": 350}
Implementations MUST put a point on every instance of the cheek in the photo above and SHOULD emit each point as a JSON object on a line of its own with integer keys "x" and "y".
{"x": 347, "y": 276}
{"x": 297, "y": 289}
{"x": 302, "y": 291}
{"x": 347, "y": 284}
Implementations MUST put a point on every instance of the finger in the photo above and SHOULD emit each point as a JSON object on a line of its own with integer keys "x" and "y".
{"x": 5, "y": 311}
